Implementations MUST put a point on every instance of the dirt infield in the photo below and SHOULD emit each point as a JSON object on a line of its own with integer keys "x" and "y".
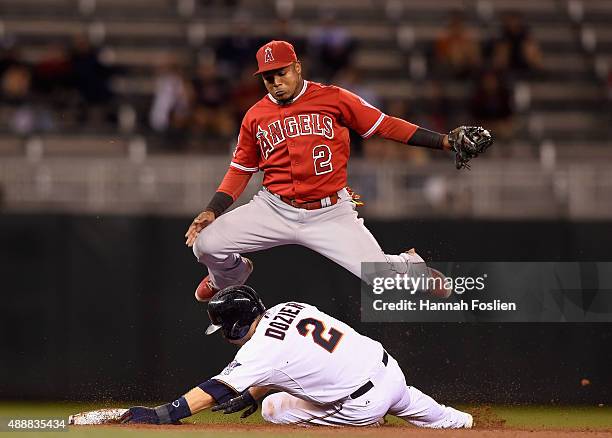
{"x": 490, "y": 421}
{"x": 375, "y": 432}
{"x": 487, "y": 424}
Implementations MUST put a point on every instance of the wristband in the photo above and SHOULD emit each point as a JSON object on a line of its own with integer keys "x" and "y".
{"x": 172, "y": 412}
{"x": 219, "y": 203}
{"x": 426, "y": 138}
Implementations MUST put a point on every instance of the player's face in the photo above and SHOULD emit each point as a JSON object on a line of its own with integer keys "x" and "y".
{"x": 285, "y": 83}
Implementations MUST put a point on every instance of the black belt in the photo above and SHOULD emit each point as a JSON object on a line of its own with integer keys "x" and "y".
{"x": 369, "y": 385}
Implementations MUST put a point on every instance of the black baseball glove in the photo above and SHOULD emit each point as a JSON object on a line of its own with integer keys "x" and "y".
{"x": 245, "y": 400}
{"x": 467, "y": 142}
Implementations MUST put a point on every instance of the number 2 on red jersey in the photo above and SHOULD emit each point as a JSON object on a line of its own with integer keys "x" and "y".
{"x": 321, "y": 156}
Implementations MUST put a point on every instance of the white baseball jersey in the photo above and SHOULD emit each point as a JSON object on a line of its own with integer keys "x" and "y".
{"x": 305, "y": 352}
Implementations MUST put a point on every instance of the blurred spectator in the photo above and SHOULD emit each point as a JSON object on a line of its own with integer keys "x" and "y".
{"x": 211, "y": 114}
{"x": 436, "y": 109}
{"x": 515, "y": 50}
{"x": 350, "y": 79}
{"x": 237, "y": 51}
{"x": 491, "y": 104}
{"x": 456, "y": 50}
{"x": 91, "y": 76}
{"x": 389, "y": 150}
{"x": 53, "y": 74}
{"x": 330, "y": 48}
{"x": 20, "y": 113}
{"x": 15, "y": 83}
{"x": 9, "y": 57}
{"x": 285, "y": 31}
{"x": 170, "y": 106}
{"x": 245, "y": 93}
{"x": 208, "y": 4}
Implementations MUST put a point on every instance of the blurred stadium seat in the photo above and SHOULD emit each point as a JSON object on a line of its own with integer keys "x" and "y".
{"x": 564, "y": 103}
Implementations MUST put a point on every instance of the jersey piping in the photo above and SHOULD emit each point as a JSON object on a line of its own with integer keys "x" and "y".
{"x": 246, "y": 169}
{"x": 295, "y": 98}
{"x": 374, "y": 126}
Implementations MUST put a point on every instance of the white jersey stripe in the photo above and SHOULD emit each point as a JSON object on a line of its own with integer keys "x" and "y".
{"x": 246, "y": 169}
{"x": 373, "y": 128}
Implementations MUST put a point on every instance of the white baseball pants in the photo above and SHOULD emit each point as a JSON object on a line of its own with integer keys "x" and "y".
{"x": 390, "y": 395}
{"x": 265, "y": 222}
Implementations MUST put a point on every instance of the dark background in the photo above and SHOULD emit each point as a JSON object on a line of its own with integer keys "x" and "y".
{"x": 102, "y": 308}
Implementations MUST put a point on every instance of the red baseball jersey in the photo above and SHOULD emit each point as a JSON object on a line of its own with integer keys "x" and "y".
{"x": 303, "y": 147}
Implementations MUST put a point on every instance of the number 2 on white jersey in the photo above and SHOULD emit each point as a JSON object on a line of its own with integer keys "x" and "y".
{"x": 322, "y": 155}
{"x": 316, "y": 328}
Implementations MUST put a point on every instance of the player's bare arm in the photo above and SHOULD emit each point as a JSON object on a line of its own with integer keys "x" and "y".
{"x": 198, "y": 400}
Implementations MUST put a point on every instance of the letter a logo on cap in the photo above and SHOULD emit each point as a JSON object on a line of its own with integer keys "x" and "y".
{"x": 274, "y": 55}
{"x": 268, "y": 55}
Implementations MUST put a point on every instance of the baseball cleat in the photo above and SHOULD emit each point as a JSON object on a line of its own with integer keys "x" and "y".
{"x": 206, "y": 289}
{"x": 440, "y": 289}
{"x": 469, "y": 423}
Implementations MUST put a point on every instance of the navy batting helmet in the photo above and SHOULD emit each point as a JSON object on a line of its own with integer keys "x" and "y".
{"x": 233, "y": 310}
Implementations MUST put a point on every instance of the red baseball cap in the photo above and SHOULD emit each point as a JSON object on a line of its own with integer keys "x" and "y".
{"x": 275, "y": 55}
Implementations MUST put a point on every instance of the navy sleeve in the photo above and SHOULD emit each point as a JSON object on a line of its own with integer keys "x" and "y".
{"x": 217, "y": 390}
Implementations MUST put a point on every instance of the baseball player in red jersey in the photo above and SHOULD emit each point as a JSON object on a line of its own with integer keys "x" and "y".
{"x": 298, "y": 135}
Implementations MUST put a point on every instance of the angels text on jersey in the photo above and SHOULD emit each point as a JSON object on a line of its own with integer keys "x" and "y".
{"x": 294, "y": 126}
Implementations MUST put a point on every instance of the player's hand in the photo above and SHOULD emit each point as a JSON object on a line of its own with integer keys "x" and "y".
{"x": 201, "y": 221}
{"x": 139, "y": 415}
{"x": 467, "y": 142}
{"x": 245, "y": 400}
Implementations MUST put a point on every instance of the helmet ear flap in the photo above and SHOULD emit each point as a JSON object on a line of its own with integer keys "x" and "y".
{"x": 233, "y": 331}
{"x": 238, "y": 331}
{"x": 234, "y": 309}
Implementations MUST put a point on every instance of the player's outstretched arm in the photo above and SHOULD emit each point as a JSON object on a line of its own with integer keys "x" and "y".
{"x": 191, "y": 403}
{"x": 465, "y": 141}
{"x": 197, "y": 399}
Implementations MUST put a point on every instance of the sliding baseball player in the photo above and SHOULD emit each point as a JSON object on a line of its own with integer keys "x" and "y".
{"x": 323, "y": 372}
